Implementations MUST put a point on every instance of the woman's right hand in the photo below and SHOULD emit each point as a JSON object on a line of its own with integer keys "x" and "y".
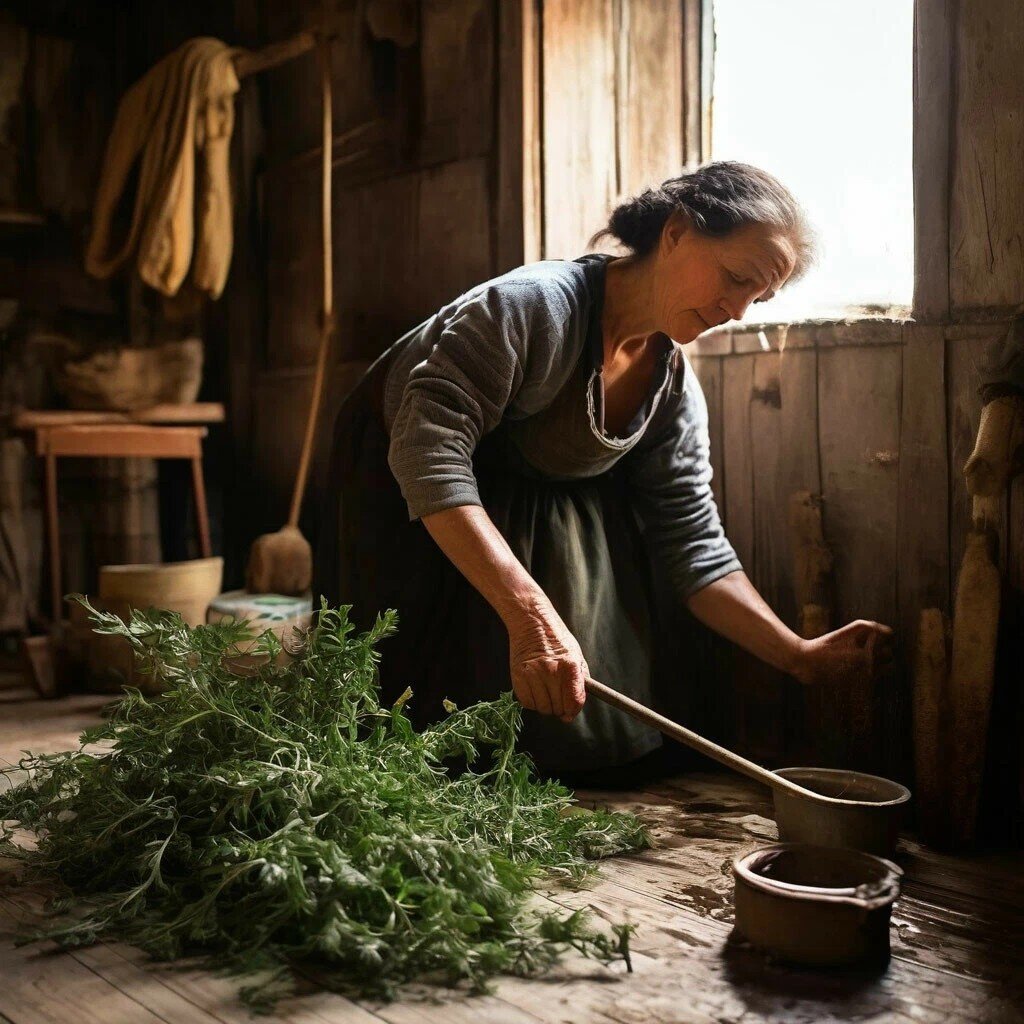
{"x": 547, "y": 666}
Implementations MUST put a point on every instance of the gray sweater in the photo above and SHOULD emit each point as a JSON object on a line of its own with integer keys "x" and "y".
{"x": 505, "y": 349}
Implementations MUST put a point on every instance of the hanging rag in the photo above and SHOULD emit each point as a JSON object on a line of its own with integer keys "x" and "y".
{"x": 179, "y": 114}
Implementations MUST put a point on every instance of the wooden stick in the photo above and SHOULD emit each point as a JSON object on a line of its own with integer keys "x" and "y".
{"x": 250, "y": 62}
{"x": 697, "y": 742}
{"x": 327, "y": 315}
{"x": 202, "y": 515}
{"x": 53, "y": 537}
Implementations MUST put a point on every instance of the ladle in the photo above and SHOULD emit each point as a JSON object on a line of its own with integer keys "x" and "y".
{"x": 802, "y": 814}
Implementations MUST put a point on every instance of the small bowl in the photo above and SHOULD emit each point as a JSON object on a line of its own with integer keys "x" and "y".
{"x": 864, "y": 812}
{"x": 816, "y": 905}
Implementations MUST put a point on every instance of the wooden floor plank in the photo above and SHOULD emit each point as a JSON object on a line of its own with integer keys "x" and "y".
{"x": 174, "y": 995}
{"x": 41, "y": 988}
{"x": 958, "y": 939}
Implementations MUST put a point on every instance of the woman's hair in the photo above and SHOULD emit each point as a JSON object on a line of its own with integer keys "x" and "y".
{"x": 716, "y": 198}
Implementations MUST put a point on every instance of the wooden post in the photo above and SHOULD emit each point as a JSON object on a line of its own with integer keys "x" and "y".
{"x": 202, "y": 518}
{"x": 53, "y": 537}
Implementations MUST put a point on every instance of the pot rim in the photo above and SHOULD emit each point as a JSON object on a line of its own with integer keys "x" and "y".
{"x": 884, "y": 892}
{"x": 903, "y": 796}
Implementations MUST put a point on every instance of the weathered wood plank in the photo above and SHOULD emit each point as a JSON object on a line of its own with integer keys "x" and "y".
{"x": 47, "y": 726}
{"x": 969, "y": 354}
{"x": 57, "y": 989}
{"x": 649, "y": 65}
{"x": 377, "y": 267}
{"x": 293, "y": 267}
{"x": 923, "y": 476}
{"x": 763, "y": 690}
{"x": 799, "y": 471}
{"x": 459, "y": 1008}
{"x": 1013, "y": 644}
{"x": 453, "y": 249}
{"x": 934, "y": 22}
{"x": 859, "y": 421}
{"x": 456, "y": 79}
{"x": 986, "y": 266}
{"x": 292, "y": 90}
{"x": 709, "y": 372}
{"x": 737, "y": 389}
{"x": 691, "y": 83}
{"x": 742, "y": 688}
{"x": 580, "y": 160}
{"x": 518, "y": 222}
{"x": 922, "y": 569}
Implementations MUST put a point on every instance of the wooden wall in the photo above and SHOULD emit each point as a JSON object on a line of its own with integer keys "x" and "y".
{"x": 504, "y": 134}
{"x": 617, "y": 87}
{"x": 879, "y": 417}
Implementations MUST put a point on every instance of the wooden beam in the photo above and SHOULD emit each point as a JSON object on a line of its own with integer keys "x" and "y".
{"x": 517, "y": 233}
{"x": 922, "y": 548}
{"x": 692, "y": 115}
{"x": 580, "y": 173}
{"x": 707, "y": 76}
{"x": 251, "y": 62}
{"x": 190, "y": 412}
{"x": 986, "y": 262}
{"x": 122, "y": 441}
{"x": 648, "y": 64}
{"x": 933, "y": 97}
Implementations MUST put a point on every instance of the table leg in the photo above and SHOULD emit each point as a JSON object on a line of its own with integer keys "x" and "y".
{"x": 202, "y": 516}
{"x": 53, "y": 539}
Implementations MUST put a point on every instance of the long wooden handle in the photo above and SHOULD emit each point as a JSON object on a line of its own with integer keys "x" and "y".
{"x": 697, "y": 742}
{"x": 327, "y": 313}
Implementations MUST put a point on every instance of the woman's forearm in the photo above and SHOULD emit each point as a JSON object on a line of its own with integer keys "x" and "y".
{"x": 547, "y": 667}
{"x": 475, "y": 546}
{"x": 732, "y": 607}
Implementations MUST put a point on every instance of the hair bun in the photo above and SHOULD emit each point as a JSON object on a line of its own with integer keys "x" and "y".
{"x": 717, "y": 198}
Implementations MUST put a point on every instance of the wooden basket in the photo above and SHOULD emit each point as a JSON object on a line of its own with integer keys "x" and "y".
{"x": 183, "y": 587}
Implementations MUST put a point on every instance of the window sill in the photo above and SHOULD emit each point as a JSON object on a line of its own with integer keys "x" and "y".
{"x": 826, "y": 332}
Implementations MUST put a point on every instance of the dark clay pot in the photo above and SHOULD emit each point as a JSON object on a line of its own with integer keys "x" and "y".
{"x": 815, "y": 905}
{"x": 865, "y": 812}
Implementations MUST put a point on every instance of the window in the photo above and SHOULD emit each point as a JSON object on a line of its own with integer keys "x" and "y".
{"x": 819, "y": 92}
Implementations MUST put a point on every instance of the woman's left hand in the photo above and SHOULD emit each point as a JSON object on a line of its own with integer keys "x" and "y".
{"x": 858, "y": 650}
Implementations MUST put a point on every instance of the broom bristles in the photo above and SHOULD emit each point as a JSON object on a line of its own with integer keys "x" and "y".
{"x": 280, "y": 563}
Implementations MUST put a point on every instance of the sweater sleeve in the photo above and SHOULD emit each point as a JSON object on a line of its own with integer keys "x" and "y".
{"x": 493, "y": 345}
{"x": 670, "y": 479}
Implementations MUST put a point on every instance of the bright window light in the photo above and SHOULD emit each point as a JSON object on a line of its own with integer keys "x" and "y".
{"x": 819, "y": 93}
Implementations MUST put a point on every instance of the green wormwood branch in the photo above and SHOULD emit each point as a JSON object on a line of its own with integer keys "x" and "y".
{"x": 283, "y": 820}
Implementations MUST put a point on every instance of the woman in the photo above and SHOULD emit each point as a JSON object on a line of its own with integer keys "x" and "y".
{"x": 511, "y": 473}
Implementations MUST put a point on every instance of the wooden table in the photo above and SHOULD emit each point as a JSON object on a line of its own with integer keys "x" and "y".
{"x": 162, "y": 432}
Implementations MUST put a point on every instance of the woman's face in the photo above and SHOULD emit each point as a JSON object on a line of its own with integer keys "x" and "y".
{"x": 701, "y": 282}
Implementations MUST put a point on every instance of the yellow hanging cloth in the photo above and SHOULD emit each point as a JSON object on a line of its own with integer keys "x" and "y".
{"x": 179, "y": 113}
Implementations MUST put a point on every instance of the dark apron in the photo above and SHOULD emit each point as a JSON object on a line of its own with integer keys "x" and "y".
{"x": 549, "y": 483}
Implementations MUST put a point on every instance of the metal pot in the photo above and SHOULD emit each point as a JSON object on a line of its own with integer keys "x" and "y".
{"x": 816, "y": 905}
{"x": 864, "y": 812}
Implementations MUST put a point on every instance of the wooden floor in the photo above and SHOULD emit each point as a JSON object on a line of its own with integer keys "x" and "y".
{"x": 958, "y": 936}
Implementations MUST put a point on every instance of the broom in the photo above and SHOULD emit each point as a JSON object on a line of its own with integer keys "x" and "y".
{"x": 282, "y": 562}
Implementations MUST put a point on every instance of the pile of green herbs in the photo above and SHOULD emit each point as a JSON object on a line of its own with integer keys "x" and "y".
{"x": 283, "y": 821}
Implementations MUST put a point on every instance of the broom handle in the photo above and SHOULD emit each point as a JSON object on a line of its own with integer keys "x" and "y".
{"x": 327, "y": 313}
